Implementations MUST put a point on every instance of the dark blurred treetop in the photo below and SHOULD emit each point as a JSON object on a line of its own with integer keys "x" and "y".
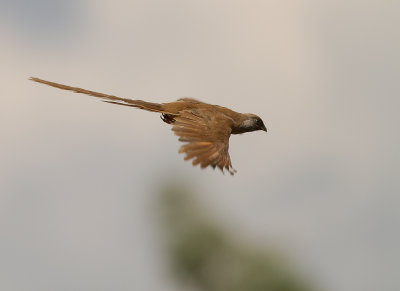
{"x": 205, "y": 258}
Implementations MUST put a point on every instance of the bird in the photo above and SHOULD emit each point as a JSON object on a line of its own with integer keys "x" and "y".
{"x": 204, "y": 128}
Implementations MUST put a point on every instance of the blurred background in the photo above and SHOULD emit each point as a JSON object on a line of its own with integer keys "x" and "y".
{"x": 84, "y": 185}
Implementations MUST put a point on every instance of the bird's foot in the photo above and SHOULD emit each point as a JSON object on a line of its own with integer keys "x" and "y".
{"x": 167, "y": 118}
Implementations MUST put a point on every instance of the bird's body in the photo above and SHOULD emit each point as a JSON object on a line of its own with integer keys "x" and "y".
{"x": 205, "y": 128}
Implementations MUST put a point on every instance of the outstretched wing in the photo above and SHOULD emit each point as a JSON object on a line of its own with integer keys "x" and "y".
{"x": 206, "y": 135}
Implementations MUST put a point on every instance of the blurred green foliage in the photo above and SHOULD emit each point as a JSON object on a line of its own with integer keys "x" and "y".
{"x": 204, "y": 257}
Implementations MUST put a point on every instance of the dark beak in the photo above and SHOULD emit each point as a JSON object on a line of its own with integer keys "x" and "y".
{"x": 264, "y": 128}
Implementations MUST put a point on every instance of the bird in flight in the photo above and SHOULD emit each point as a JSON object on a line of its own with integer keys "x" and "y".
{"x": 204, "y": 128}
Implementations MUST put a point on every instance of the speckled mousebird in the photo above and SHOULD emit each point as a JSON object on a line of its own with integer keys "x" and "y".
{"x": 204, "y": 128}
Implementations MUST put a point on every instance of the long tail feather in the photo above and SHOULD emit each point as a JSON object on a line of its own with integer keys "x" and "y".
{"x": 149, "y": 106}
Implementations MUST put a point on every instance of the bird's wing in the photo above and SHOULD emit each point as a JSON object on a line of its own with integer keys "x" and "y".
{"x": 189, "y": 99}
{"x": 206, "y": 134}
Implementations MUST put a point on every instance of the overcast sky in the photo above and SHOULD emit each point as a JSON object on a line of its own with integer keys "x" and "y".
{"x": 78, "y": 177}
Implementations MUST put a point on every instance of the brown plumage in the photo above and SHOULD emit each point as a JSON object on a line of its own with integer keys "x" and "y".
{"x": 204, "y": 128}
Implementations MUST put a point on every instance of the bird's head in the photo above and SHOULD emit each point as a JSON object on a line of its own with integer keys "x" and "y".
{"x": 252, "y": 122}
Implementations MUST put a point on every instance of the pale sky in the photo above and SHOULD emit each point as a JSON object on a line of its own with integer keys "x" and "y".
{"x": 78, "y": 177}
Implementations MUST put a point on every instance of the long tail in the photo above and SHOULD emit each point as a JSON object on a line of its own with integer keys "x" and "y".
{"x": 149, "y": 106}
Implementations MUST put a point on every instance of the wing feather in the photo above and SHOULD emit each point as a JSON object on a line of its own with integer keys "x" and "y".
{"x": 206, "y": 137}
